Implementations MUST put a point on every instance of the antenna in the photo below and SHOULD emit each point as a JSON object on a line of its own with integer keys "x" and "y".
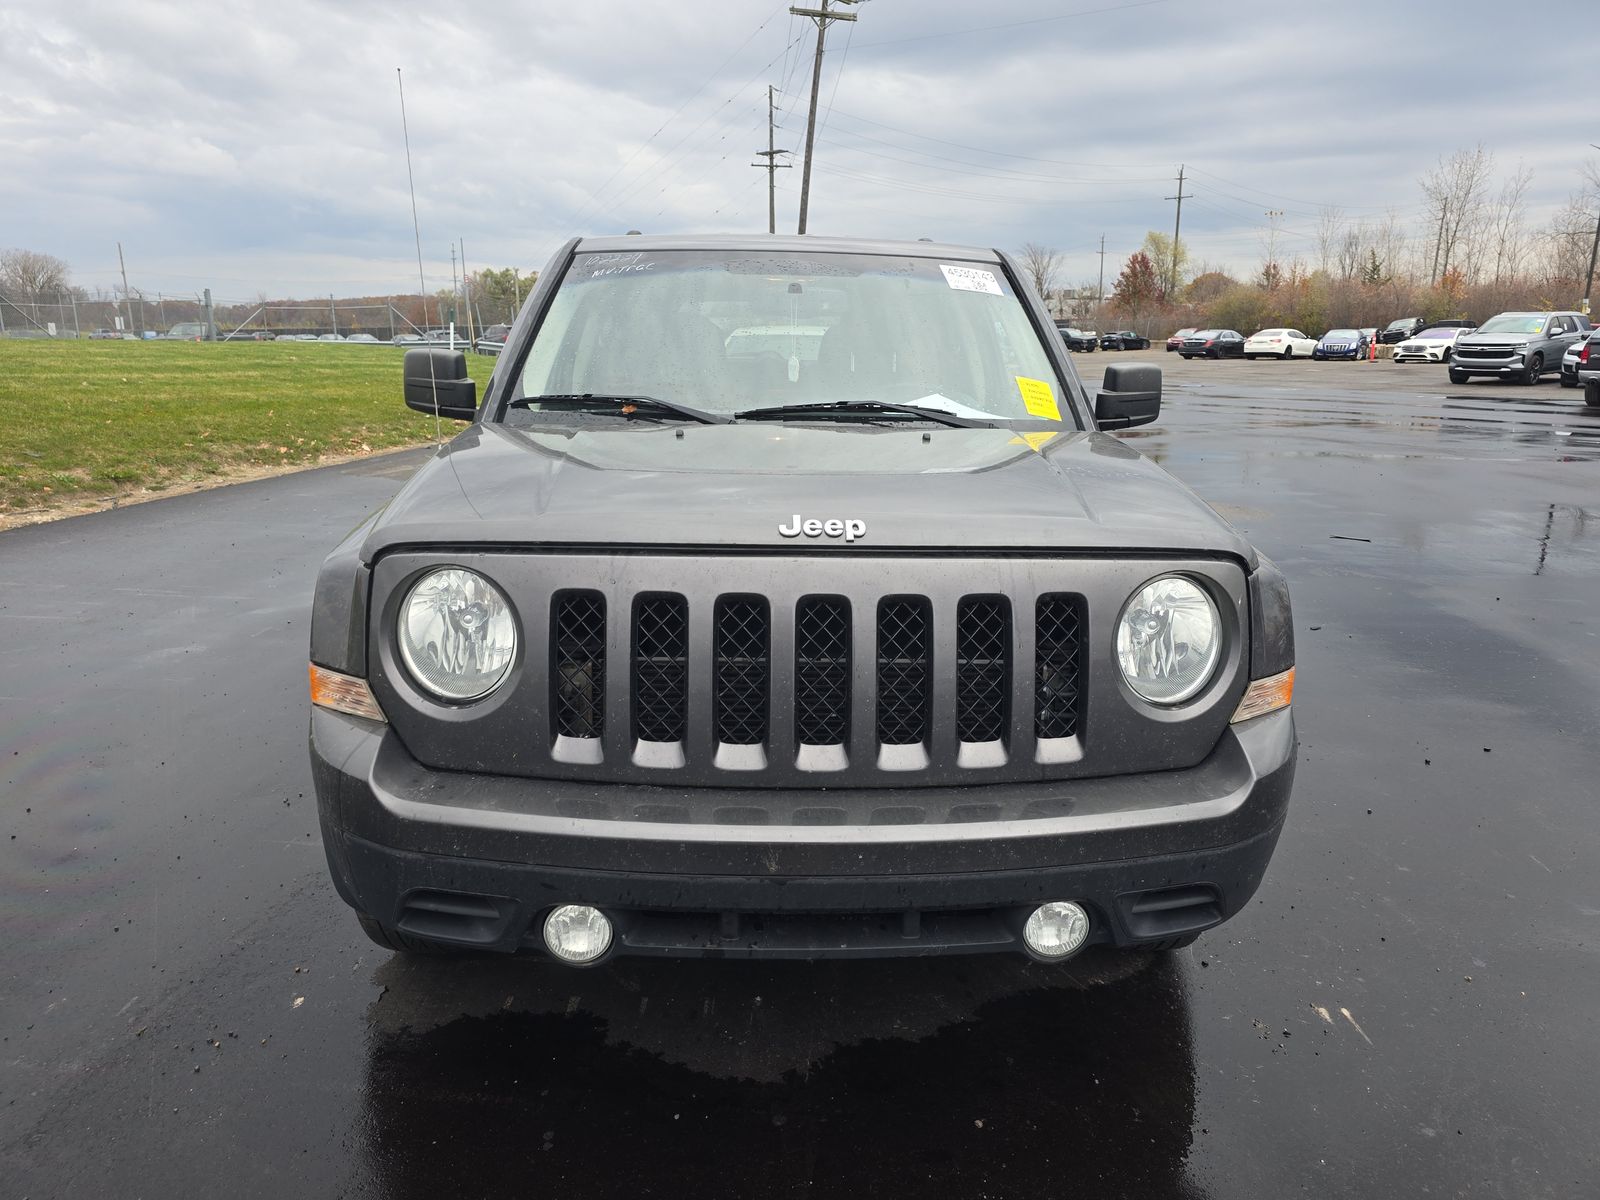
{"x": 416, "y": 229}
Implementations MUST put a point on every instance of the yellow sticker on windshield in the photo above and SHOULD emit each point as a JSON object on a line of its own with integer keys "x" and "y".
{"x": 1039, "y": 398}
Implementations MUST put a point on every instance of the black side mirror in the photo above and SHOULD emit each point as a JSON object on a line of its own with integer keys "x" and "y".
{"x": 436, "y": 381}
{"x": 1130, "y": 394}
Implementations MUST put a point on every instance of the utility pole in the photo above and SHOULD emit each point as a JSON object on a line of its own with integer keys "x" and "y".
{"x": 466, "y": 292}
{"x": 76, "y": 332}
{"x": 333, "y": 313}
{"x": 1177, "y": 225}
{"x": 822, "y": 16}
{"x": 772, "y": 167}
{"x": 125, "y": 296}
{"x": 210, "y": 332}
{"x": 1100, "y": 289}
{"x": 455, "y": 287}
{"x": 1594, "y": 249}
{"x": 1273, "y": 216}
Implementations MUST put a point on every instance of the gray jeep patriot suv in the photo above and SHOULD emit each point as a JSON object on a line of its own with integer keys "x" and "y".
{"x": 785, "y": 598}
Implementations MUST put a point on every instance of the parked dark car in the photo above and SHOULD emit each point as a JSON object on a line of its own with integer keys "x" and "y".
{"x": 1213, "y": 343}
{"x": 105, "y": 335}
{"x": 1123, "y": 339}
{"x": 1399, "y": 331}
{"x": 492, "y": 340}
{"x": 891, "y": 651}
{"x": 1176, "y": 340}
{"x": 1082, "y": 340}
{"x": 1342, "y": 343}
{"x": 1452, "y": 323}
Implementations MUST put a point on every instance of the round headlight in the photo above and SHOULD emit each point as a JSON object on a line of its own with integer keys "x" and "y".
{"x": 457, "y": 634}
{"x": 1169, "y": 640}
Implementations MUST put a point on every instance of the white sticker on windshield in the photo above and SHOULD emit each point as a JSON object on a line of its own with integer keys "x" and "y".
{"x": 971, "y": 279}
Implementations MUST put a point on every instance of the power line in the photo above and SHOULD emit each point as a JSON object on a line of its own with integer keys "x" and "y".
{"x": 705, "y": 83}
{"x": 1085, "y": 12}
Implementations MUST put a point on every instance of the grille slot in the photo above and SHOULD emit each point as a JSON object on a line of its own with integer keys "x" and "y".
{"x": 822, "y": 671}
{"x": 578, "y": 659}
{"x": 743, "y": 667}
{"x": 904, "y": 647}
{"x": 1058, "y": 655}
{"x": 660, "y": 667}
{"x": 983, "y": 668}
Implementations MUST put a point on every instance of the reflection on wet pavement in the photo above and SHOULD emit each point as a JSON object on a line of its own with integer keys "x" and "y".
{"x": 988, "y": 1077}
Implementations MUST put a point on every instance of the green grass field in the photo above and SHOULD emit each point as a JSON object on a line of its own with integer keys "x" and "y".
{"x": 83, "y": 420}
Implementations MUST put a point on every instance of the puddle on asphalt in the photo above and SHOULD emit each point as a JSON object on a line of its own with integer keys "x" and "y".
{"x": 926, "y": 1077}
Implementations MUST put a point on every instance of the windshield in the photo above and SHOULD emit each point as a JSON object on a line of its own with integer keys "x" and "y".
{"x": 731, "y": 331}
{"x": 1341, "y": 333}
{"x": 1402, "y": 323}
{"x": 1447, "y": 335}
{"x": 1514, "y": 323}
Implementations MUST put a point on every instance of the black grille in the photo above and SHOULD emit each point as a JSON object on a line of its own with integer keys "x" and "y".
{"x": 742, "y": 667}
{"x": 579, "y": 657}
{"x": 904, "y": 637}
{"x": 822, "y": 671}
{"x": 983, "y": 668}
{"x": 1058, "y": 654}
{"x": 660, "y": 667}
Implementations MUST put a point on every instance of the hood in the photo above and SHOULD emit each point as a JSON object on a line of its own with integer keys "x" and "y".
{"x": 733, "y": 486}
{"x": 1498, "y": 339}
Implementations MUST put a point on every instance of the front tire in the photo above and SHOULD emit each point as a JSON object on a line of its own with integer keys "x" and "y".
{"x": 1534, "y": 371}
{"x": 1568, "y": 383}
{"x": 1458, "y": 376}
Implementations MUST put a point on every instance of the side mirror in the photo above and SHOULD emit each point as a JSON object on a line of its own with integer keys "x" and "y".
{"x": 436, "y": 381}
{"x": 1130, "y": 394}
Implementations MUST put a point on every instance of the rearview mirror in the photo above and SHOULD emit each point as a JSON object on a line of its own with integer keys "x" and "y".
{"x": 1130, "y": 394}
{"x": 436, "y": 381}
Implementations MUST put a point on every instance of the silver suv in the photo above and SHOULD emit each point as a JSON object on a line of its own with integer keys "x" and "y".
{"x": 1518, "y": 345}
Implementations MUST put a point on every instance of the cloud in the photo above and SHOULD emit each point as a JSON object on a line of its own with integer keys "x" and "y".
{"x": 253, "y": 148}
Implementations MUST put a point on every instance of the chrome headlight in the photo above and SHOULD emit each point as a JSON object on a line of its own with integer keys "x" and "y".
{"x": 1169, "y": 640}
{"x": 457, "y": 634}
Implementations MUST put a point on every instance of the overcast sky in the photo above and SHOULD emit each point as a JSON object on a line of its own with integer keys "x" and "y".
{"x": 257, "y": 148}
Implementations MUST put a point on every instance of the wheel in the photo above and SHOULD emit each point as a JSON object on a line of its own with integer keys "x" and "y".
{"x": 1591, "y": 392}
{"x": 1251, "y": 357}
{"x": 1535, "y": 369}
{"x": 1568, "y": 383}
{"x": 402, "y": 943}
{"x": 1288, "y": 352}
{"x": 1446, "y": 355}
{"x": 1215, "y": 354}
{"x": 1457, "y": 376}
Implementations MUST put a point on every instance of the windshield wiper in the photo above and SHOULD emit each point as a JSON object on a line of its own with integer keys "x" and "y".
{"x": 863, "y": 406}
{"x": 618, "y": 401}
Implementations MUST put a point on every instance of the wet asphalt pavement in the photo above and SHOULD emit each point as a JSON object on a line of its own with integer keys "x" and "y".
{"x": 1409, "y": 1007}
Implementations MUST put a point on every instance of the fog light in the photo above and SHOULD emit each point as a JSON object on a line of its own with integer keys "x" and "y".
{"x": 1057, "y": 929}
{"x": 577, "y": 934}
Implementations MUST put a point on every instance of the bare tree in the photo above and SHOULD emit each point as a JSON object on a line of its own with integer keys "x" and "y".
{"x": 1453, "y": 199}
{"x": 31, "y": 273}
{"x": 1506, "y": 225}
{"x": 1330, "y": 231}
{"x": 1042, "y": 263}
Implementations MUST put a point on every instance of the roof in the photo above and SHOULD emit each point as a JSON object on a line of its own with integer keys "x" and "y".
{"x": 784, "y": 242}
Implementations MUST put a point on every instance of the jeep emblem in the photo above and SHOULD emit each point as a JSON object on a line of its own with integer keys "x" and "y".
{"x": 849, "y": 530}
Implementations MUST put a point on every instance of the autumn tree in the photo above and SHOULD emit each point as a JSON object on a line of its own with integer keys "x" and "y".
{"x": 1138, "y": 291}
{"x": 1171, "y": 259}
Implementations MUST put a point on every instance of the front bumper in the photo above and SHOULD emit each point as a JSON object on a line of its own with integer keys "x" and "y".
{"x": 1514, "y": 364}
{"x": 479, "y": 860}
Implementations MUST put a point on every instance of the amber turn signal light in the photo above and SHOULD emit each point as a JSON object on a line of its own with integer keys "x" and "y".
{"x": 1265, "y": 695}
{"x": 344, "y": 693}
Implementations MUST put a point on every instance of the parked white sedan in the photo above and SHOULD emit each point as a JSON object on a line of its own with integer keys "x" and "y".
{"x": 1431, "y": 345}
{"x": 1279, "y": 343}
